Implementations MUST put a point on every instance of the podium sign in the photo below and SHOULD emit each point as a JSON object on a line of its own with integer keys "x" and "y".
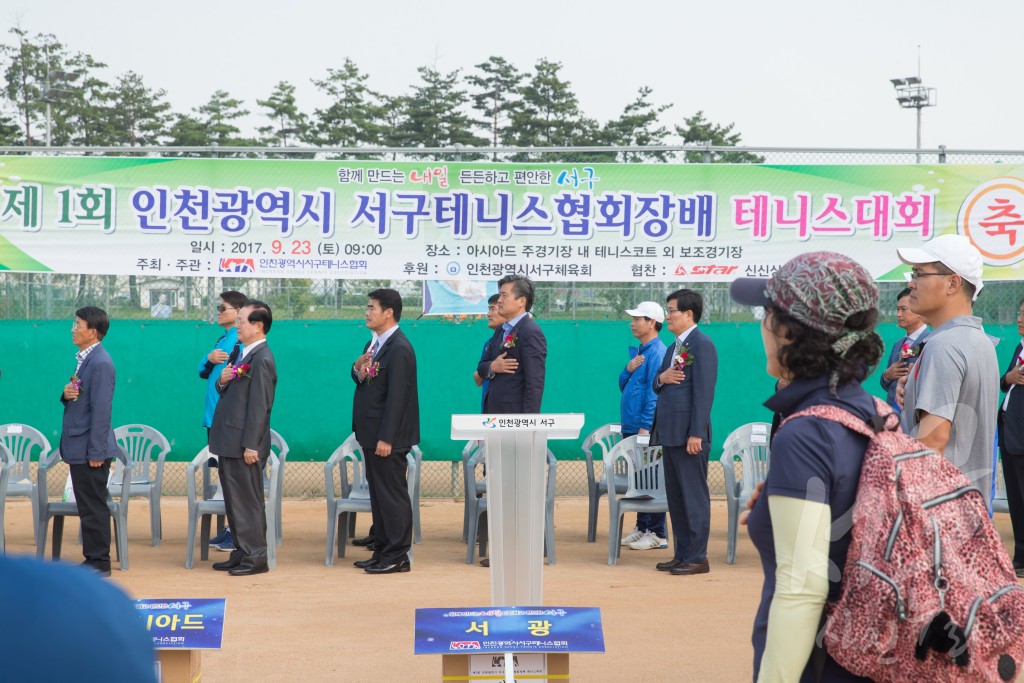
{"x": 516, "y": 447}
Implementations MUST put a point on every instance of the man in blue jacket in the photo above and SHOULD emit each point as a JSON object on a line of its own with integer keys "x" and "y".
{"x": 636, "y": 382}
{"x": 87, "y": 441}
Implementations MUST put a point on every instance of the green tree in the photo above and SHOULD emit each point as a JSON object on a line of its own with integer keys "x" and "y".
{"x": 10, "y": 132}
{"x": 496, "y": 96}
{"x": 282, "y": 110}
{"x": 189, "y": 131}
{"x": 139, "y": 115}
{"x": 394, "y": 131}
{"x": 697, "y": 129}
{"x": 549, "y": 115}
{"x": 218, "y": 116}
{"x": 356, "y": 115}
{"x": 83, "y": 115}
{"x": 638, "y": 127}
{"x": 29, "y": 62}
{"x": 435, "y": 112}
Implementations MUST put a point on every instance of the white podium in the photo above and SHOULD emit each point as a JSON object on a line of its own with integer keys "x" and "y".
{"x": 516, "y": 463}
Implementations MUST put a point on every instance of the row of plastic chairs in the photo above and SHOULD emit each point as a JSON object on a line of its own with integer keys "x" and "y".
{"x": 637, "y": 479}
{"x": 139, "y": 468}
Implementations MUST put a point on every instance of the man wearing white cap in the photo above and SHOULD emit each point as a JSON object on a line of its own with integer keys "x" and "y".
{"x": 637, "y": 408}
{"x": 951, "y": 394}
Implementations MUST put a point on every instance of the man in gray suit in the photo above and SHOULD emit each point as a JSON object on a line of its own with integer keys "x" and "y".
{"x": 682, "y": 427}
{"x": 905, "y": 351}
{"x": 240, "y": 437}
{"x": 87, "y": 442}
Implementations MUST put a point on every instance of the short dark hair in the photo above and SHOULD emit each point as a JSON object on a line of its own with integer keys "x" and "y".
{"x": 261, "y": 313}
{"x": 904, "y": 292}
{"x": 492, "y": 300}
{"x": 95, "y": 319}
{"x": 657, "y": 325}
{"x": 687, "y": 300}
{"x": 388, "y": 298}
{"x": 236, "y": 299}
{"x": 809, "y": 353}
{"x": 522, "y": 286}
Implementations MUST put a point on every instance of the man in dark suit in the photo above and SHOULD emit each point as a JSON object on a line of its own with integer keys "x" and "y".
{"x": 240, "y": 437}
{"x": 386, "y": 421}
{"x": 682, "y": 427}
{"x": 515, "y": 358}
{"x": 1011, "y": 443}
{"x": 87, "y": 442}
{"x": 905, "y": 351}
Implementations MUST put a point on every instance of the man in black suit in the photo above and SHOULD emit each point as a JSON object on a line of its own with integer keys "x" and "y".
{"x": 1011, "y": 443}
{"x": 904, "y": 352}
{"x": 682, "y": 427}
{"x": 240, "y": 437}
{"x": 386, "y": 421}
{"x": 87, "y": 441}
{"x": 515, "y": 358}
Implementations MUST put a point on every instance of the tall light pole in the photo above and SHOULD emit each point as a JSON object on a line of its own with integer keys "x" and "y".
{"x": 911, "y": 93}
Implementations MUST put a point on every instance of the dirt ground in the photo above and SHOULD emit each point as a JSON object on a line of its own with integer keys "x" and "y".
{"x": 309, "y": 622}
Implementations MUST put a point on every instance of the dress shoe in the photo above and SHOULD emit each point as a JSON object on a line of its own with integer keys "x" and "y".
{"x": 249, "y": 570}
{"x": 226, "y": 565}
{"x": 1019, "y": 572}
{"x": 486, "y": 562}
{"x": 690, "y": 568}
{"x": 402, "y": 567}
{"x": 102, "y": 570}
{"x": 363, "y": 564}
{"x": 667, "y": 566}
{"x": 366, "y": 540}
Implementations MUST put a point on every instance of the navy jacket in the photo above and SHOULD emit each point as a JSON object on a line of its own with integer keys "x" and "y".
{"x": 894, "y": 355}
{"x": 684, "y": 409}
{"x": 1011, "y": 420}
{"x": 522, "y": 390}
{"x": 86, "y": 431}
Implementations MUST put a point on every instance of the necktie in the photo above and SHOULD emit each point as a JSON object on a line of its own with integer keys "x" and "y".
{"x": 373, "y": 349}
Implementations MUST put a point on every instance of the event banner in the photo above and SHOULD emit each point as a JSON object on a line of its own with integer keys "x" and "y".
{"x": 478, "y": 221}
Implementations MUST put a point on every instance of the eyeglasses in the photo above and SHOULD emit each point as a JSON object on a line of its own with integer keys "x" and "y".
{"x": 223, "y": 308}
{"x": 670, "y": 311}
{"x": 916, "y": 275}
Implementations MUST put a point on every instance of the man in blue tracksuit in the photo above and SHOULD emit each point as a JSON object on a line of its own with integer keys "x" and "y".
{"x": 637, "y": 408}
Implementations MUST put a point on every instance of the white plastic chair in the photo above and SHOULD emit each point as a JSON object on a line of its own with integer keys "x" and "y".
{"x": 471, "y": 486}
{"x": 24, "y": 443}
{"x": 207, "y": 507}
{"x": 355, "y": 494}
{"x": 280, "y": 448}
{"x": 747, "y": 445}
{"x": 59, "y": 509}
{"x": 6, "y": 464}
{"x": 476, "y": 508}
{"x": 605, "y": 437}
{"x": 645, "y": 491}
{"x": 147, "y": 448}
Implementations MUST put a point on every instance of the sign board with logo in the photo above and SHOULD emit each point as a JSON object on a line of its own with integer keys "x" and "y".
{"x": 447, "y": 221}
{"x": 476, "y": 630}
{"x": 183, "y": 623}
{"x": 555, "y": 425}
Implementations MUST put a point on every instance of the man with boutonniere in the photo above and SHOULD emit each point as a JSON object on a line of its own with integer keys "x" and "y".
{"x": 905, "y": 351}
{"x": 240, "y": 437}
{"x": 386, "y": 422}
{"x": 682, "y": 427}
{"x": 514, "y": 362}
{"x": 87, "y": 441}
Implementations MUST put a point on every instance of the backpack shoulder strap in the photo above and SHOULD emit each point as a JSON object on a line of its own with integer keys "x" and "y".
{"x": 886, "y": 419}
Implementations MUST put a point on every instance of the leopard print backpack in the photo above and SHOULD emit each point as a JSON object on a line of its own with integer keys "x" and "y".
{"x": 928, "y": 592}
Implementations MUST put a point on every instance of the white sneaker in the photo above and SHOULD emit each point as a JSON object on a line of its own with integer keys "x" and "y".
{"x": 634, "y": 536}
{"x": 649, "y": 541}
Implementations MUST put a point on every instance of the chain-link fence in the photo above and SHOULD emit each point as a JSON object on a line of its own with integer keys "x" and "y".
{"x": 44, "y": 296}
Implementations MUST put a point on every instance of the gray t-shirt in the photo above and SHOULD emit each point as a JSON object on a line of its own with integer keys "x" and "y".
{"x": 957, "y": 378}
